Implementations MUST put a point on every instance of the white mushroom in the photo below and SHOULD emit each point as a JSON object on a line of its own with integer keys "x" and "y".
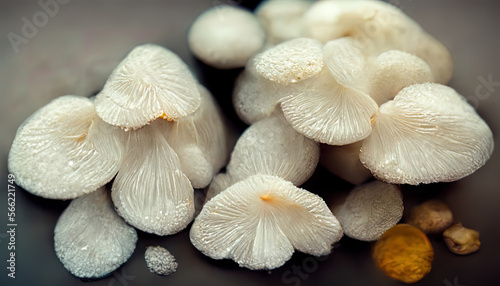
{"x": 282, "y": 19}
{"x": 343, "y": 161}
{"x": 330, "y": 113}
{"x": 370, "y": 209}
{"x": 151, "y": 82}
{"x": 427, "y": 134}
{"x": 377, "y": 27}
{"x": 226, "y": 36}
{"x": 201, "y": 141}
{"x": 258, "y": 222}
{"x": 150, "y": 191}
{"x": 160, "y": 261}
{"x": 90, "y": 239}
{"x": 65, "y": 150}
{"x": 271, "y": 147}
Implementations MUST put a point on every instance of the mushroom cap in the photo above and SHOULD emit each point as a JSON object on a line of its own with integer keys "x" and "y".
{"x": 427, "y": 134}
{"x": 394, "y": 70}
{"x": 201, "y": 141}
{"x": 160, "y": 261}
{"x": 150, "y": 191}
{"x": 226, "y": 36}
{"x": 431, "y": 216}
{"x": 290, "y": 62}
{"x": 282, "y": 19}
{"x": 90, "y": 239}
{"x": 330, "y": 113}
{"x": 370, "y": 209}
{"x": 65, "y": 150}
{"x": 150, "y": 82}
{"x": 258, "y": 222}
{"x": 271, "y": 147}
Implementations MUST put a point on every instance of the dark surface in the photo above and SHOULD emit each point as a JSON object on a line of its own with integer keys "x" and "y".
{"x": 468, "y": 28}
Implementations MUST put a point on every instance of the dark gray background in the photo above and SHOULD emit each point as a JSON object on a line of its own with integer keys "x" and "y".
{"x": 79, "y": 46}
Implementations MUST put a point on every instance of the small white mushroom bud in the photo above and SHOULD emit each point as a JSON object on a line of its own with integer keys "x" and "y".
{"x": 64, "y": 150}
{"x": 260, "y": 221}
{"x": 369, "y": 210}
{"x": 90, "y": 239}
{"x": 226, "y": 36}
{"x": 150, "y": 191}
{"x": 151, "y": 82}
{"x": 427, "y": 134}
{"x": 160, "y": 261}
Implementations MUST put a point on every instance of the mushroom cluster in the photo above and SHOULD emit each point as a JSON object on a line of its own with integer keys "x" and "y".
{"x": 152, "y": 128}
{"x": 354, "y": 85}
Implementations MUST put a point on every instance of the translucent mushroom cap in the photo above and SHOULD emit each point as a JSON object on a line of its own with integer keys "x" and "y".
{"x": 226, "y": 36}
{"x": 427, "y": 134}
{"x": 370, "y": 209}
{"x": 258, "y": 222}
{"x": 65, "y": 150}
{"x": 150, "y": 82}
{"x": 90, "y": 239}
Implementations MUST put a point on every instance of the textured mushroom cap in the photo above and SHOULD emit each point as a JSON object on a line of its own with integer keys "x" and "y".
{"x": 343, "y": 161}
{"x": 258, "y": 222}
{"x": 290, "y": 62}
{"x": 282, "y": 19}
{"x": 427, "y": 134}
{"x": 64, "y": 150}
{"x": 226, "y": 36}
{"x": 150, "y": 82}
{"x": 150, "y": 191}
{"x": 430, "y": 216}
{"x": 330, "y": 113}
{"x": 395, "y": 70}
{"x": 370, "y": 210}
{"x": 201, "y": 141}
{"x": 90, "y": 239}
{"x": 271, "y": 147}
{"x": 160, "y": 261}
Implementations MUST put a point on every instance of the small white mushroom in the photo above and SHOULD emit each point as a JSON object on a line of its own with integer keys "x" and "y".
{"x": 90, "y": 239}
{"x": 427, "y": 134}
{"x": 226, "y": 36}
{"x": 65, "y": 150}
{"x": 151, "y": 82}
{"x": 201, "y": 141}
{"x": 271, "y": 147}
{"x": 150, "y": 191}
{"x": 258, "y": 222}
{"x": 394, "y": 70}
{"x": 330, "y": 113}
{"x": 370, "y": 209}
{"x": 343, "y": 161}
{"x": 159, "y": 260}
{"x": 282, "y": 19}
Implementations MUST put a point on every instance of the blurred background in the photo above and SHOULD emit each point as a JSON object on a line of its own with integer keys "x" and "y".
{"x": 73, "y": 49}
